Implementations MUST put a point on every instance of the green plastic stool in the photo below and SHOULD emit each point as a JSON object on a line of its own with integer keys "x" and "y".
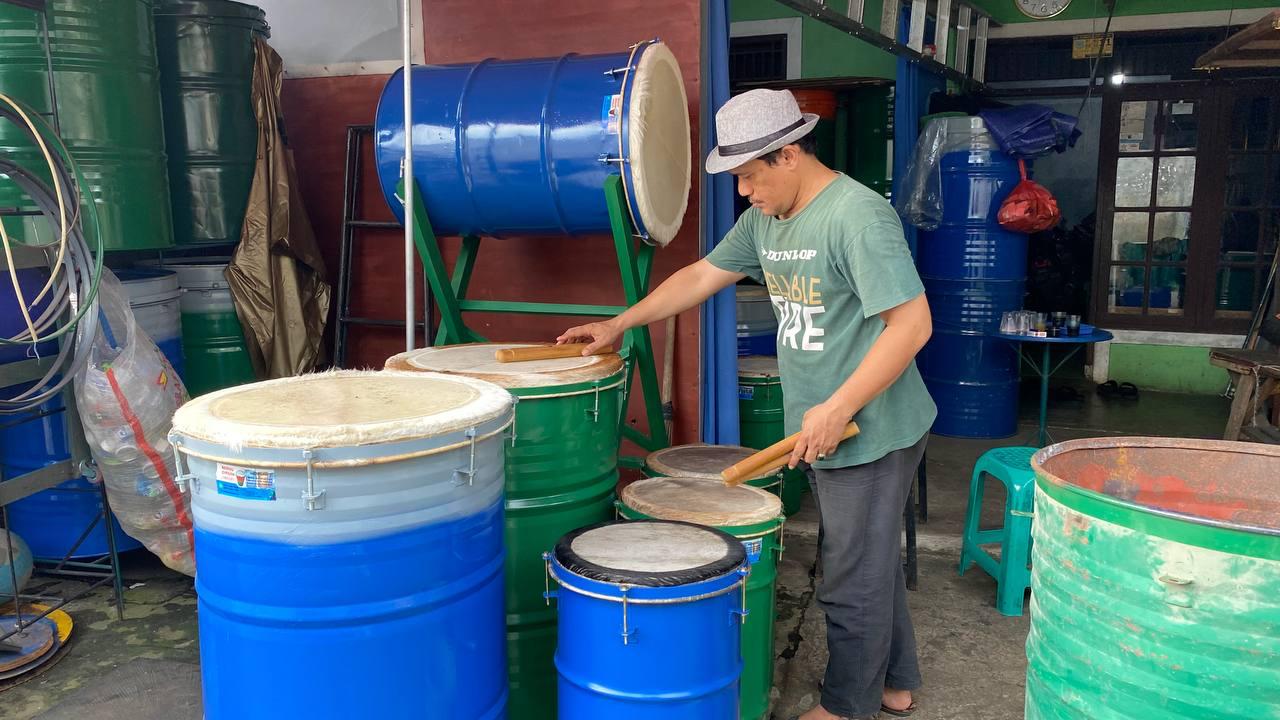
{"x": 1011, "y": 466}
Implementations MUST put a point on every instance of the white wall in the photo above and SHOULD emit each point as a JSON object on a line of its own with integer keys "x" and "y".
{"x": 340, "y": 37}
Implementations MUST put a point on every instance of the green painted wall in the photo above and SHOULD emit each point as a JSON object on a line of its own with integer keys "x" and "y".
{"x": 1006, "y": 11}
{"x": 1168, "y": 368}
{"x": 825, "y": 51}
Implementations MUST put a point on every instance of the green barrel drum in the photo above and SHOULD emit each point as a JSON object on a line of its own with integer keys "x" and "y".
{"x": 751, "y": 515}
{"x": 212, "y": 338}
{"x": 106, "y": 84}
{"x": 1155, "y": 585}
{"x": 206, "y": 73}
{"x": 760, "y": 419}
{"x": 705, "y": 462}
{"x": 562, "y": 468}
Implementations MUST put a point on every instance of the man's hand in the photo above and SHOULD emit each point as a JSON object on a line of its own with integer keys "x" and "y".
{"x": 821, "y": 432}
{"x": 598, "y": 334}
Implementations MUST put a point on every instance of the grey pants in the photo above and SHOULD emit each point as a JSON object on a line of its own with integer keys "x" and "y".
{"x": 870, "y": 639}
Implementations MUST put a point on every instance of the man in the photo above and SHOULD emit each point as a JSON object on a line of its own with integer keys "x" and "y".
{"x": 852, "y": 316}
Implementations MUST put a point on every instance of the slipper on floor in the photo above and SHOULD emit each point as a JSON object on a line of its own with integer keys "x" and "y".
{"x": 911, "y": 709}
{"x": 1128, "y": 391}
{"x": 1109, "y": 388}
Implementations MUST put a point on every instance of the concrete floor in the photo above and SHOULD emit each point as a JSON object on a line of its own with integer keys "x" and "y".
{"x": 972, "y": 657}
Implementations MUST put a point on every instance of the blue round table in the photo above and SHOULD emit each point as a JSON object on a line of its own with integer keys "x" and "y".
{"x": 1044, "y": 369}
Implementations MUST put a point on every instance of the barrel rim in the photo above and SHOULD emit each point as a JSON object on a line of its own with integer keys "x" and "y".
{"x": 213, "y": 8}
{"x": 732, "y": 561}
{"x": 1180, "y": 527}
{"x": 747, "y": 368}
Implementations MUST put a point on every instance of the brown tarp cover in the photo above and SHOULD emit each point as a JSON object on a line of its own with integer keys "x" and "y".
{"x": 277, "y": 274}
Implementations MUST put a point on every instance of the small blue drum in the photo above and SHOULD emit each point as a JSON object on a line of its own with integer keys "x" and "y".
{"x": 348, "y": 540}
{"x": 650, "y": 621}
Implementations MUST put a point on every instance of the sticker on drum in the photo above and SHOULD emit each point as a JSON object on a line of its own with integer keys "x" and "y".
{"x": 746, "y": 392}
{"x": 753, "y": 547}
{"x": 246, "y": 483}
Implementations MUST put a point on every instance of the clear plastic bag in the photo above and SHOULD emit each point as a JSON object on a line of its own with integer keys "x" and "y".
{"x": 127, "y": 395}
{"x": 920, "y": 201}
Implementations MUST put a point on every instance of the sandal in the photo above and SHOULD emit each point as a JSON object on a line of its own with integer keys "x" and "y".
{"x": 908, "y": 712}
{"x": 1109, "y": 389}
{"x": 1128, "y": 391}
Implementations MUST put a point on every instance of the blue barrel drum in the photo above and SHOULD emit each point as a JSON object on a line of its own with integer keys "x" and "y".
{"x": 973, "y": 271}
{"x": 650, "y": 621}
{"x": 523, "y": 147}
{"x": 348, "y": 535}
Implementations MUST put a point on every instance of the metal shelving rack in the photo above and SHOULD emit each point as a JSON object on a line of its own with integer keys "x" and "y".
{"x": 94, "y": 571}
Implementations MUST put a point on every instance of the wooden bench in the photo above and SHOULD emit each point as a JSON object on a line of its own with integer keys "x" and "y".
{"x": 1255, "y": 411}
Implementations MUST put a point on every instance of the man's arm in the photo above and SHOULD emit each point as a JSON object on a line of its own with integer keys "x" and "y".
{"x": 907, "y": 328}
{"x": 686, "y": 288}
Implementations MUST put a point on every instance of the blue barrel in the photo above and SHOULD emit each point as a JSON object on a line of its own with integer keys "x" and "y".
{"x": 523, "y": 147}
{"x": 650, "y": 621}
{"x": 757, "y": 324}
{"x": 348, "y": 540}
{"x": 973, "y": 271}
{"x": 52, "y": 521}
{"x": 155, "y": 297}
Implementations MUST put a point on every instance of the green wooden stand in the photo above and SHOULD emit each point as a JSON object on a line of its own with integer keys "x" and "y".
{"x": 635, "y": 264}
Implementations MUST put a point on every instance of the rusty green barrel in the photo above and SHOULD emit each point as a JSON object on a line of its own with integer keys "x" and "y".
{"x": 754, "y": 517}
{"x": 1155, "y": 586}
{"x": 206, "y": 72}
{"x": 760, "y": 419}
{"x": 561, "y": 471}
{"x": 106, "y": 83}
{"x": 704, "y": 462}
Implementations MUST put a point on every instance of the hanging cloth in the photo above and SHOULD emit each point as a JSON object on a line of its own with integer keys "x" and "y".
{"x": 277, "y": 274}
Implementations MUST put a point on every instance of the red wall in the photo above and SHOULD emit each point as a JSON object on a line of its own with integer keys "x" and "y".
{"x": 576, "y": 270}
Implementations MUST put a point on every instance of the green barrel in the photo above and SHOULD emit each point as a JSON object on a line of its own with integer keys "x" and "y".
{"x": 756, "y": 518}
{"x": 206, "y": 83}
{"x": 213, "y": 341}
{"x": 1155, "y": 585}
{"x": 704, "y": 462}
{"x": 871, "y": 137}
{"x": 562, "y": 468}
{"x": 760, "y": 419}
{"x": 107, "y": 88}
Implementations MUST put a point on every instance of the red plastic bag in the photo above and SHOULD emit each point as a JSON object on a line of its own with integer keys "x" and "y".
{"x": 1030, "y": 208}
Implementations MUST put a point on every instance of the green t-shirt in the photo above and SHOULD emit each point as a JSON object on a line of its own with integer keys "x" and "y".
{"x": 830, "y": 271}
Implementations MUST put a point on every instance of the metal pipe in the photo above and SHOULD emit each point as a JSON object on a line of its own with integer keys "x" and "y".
{"x": 409, "y": 312}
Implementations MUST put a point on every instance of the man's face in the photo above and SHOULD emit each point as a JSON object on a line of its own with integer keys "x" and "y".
{"x": 771, "y": 188}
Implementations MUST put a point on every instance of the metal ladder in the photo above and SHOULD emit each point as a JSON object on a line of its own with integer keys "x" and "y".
{"x": 971, "y": 24}
{"x": 351, "y": 223}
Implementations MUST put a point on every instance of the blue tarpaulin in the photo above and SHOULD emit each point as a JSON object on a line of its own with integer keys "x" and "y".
{"x": 1030, "y": 131}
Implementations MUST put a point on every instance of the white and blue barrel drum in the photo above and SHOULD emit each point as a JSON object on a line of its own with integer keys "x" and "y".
{"x": 650, "y": 621}
{"x": 348, "y": 539}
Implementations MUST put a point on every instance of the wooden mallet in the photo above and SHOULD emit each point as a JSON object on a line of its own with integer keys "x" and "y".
{"x": 545, "y": 352}
{"x": 771, "y": 459}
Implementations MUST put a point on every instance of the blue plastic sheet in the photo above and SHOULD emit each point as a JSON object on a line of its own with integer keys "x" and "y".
{"x": 1031, "y": 131}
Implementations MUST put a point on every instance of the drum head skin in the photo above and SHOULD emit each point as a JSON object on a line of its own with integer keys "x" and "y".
{"x": 702, "y": 502}
{"x": 478, "y": 361}
{"x": 650, "y": 553}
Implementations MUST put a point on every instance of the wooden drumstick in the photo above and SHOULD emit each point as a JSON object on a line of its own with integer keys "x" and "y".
{"x": 770, "y": 459}
{"x": 548, "y": 352}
